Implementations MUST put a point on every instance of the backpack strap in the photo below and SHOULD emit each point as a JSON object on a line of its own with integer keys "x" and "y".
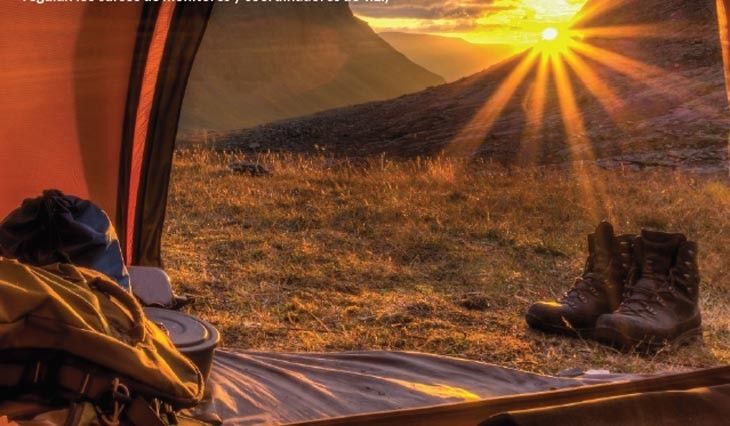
{"x": 17, "y": 375}
{"x": 75, "y": 383}
{"x": 72, "y": 381}
{"x": 12, "y": 376}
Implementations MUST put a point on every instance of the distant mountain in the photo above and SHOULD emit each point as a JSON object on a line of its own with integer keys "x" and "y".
{"x": 661, "y": 103}
{"x": 451, "y": 58}
{"x": 261, "y": 62}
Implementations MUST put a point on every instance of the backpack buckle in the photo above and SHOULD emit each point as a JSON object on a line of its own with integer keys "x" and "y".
{"x": 119, "y": 397}
{"x": 36, "y": 372}
{"x": 85, "y": 384}
{"x": 120, "y": 392}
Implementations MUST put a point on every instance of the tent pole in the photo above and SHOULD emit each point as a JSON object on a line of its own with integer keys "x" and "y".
{"x": 723, "y": 16}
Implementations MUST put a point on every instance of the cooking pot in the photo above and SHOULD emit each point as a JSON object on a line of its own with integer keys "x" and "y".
{"x": 193, "y": 337}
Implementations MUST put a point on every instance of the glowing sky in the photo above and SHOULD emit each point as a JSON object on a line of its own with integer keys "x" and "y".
{"x": 478, "y": 21}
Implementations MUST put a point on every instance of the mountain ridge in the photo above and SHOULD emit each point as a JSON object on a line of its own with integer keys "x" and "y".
{"x": 264, "y": 62}
{"x": 671, "y": 89}
{"x": 450, "y": 57}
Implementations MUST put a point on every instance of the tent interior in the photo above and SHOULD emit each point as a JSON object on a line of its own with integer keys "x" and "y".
{"x": 90, "y": 99}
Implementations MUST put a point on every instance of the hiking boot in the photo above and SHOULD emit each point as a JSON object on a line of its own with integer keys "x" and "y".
{"x": 660, "y": 304}
{"x": 596, "y": 292}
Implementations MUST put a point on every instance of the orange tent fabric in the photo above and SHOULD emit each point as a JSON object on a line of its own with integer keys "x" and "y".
{"x": 90, "y": 96}
{"x": 63, "y": 83}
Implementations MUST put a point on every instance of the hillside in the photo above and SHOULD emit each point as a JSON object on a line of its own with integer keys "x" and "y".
{"x": 261, "y": 62}
{"x": 669, "y": 111}
{"x": 451, "y": 58}
{"x": 421, "y": 255}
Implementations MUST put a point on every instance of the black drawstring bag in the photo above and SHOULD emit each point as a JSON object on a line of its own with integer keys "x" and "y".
{"x": 62, "y": 228}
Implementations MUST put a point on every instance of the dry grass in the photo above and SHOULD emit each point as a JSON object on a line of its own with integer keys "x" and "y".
{"x": 423, "y": 256}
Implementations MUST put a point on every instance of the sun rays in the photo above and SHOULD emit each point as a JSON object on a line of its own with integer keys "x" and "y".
{"x": 470, "y": 138}
{"x": 535, "y": 103}
{"x": 566, "y": 58}
{"x": 579, "y": 145}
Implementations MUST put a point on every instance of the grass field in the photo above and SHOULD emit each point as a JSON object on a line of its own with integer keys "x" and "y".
{"x": 427, "y": 256}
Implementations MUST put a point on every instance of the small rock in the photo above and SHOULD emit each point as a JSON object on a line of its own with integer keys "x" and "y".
{"x": 571, "y": 373}
{"x": 395, "y": 318}
{"x": 474, "y": 302}
{"x": 252, "y": 169}
{"x": 420, "y": 309}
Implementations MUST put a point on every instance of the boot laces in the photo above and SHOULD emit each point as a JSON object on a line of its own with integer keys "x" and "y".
{"x": 590, "y": 282}
{"x": 647, "y": 271}
{"x": 642, "y": 300}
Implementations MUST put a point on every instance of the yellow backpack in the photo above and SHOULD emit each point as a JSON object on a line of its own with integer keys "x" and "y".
{"x": 71, "y": 335}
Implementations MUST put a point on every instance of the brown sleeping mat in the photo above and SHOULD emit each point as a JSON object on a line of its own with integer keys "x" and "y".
{"x": 395, "y": 388}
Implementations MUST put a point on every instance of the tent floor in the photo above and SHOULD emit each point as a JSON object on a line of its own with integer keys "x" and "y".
{"x": 251, "y": 388}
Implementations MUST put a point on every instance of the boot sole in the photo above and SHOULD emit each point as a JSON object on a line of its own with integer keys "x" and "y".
{"x": 621, "y": 341}
{"x": 578, "y": 333}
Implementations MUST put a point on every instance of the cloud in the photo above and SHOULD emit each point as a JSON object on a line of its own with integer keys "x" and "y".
{"x": 426, "y": 9}
{"x": 484, "y": 19}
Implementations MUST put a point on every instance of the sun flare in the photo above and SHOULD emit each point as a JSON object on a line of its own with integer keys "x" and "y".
{"x": 555, "y": 40}
{"x": 562, "y": 58}
{"x": 550, "y": 34}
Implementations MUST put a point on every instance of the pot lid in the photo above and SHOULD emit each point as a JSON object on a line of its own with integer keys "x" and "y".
{"x": 186, "y": 332}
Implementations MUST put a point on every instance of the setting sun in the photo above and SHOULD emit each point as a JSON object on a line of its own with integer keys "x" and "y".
{"x": 550, "y": 34}
{"x": 555, "y": 40}
{"x": 517, "y": 23}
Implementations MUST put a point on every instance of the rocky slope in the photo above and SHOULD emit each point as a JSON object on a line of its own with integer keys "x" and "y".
{"x": 674, "y": 114}
{"x": 261, "y": 62}
{"x": 451, "y": 58}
